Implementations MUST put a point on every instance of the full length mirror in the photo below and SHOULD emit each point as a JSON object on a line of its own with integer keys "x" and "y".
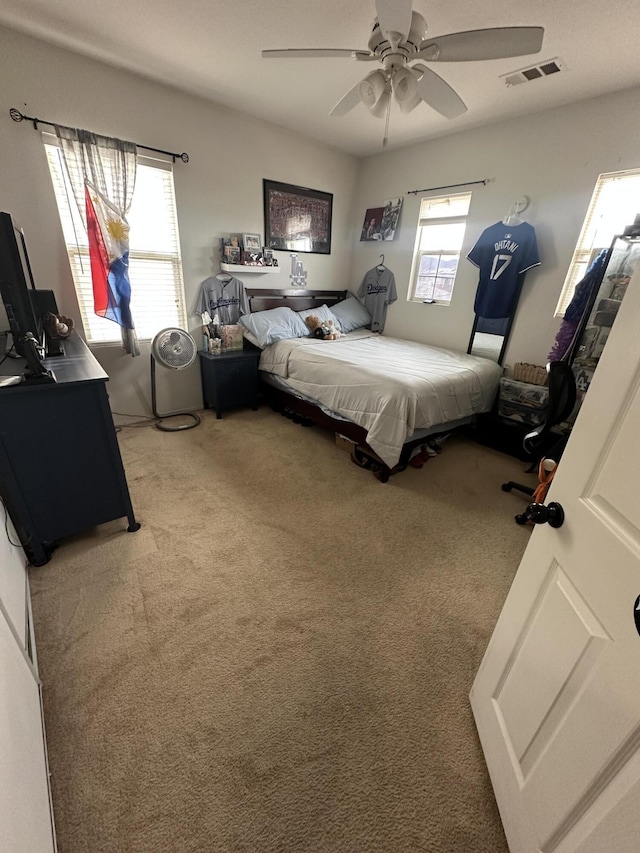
{"x": 489, "y": 338}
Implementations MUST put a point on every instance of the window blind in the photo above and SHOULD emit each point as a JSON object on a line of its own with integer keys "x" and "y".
{"x": 155, "y": 266}
{"x": 444, "y": 207}
{"x": 614, "y": 205}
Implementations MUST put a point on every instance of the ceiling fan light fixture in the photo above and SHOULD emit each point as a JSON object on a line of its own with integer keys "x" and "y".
{"x": 372, "y": 88}
{"x": 398, "y": 38}
{"x": 405, "y": 86}
{"x": 380, "y": 108}
{"x": 374, "y": 93}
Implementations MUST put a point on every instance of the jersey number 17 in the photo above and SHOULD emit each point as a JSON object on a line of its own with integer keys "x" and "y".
{"x": 496, "y": 271}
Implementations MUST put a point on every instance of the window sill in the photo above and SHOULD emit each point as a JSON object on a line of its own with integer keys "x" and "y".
{"x": 114, "y": 343}
{"x": 435, "y": 302}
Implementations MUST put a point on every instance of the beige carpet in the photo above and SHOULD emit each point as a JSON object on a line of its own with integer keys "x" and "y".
{"x": 280, "y": 659}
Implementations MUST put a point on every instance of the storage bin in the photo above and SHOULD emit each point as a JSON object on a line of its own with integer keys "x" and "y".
{"x": 523, "y": 401}
{"x": 522, "y": 414}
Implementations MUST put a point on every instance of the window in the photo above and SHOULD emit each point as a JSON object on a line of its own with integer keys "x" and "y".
{"x": 614, "y": 205}
{"x": 155, "y": 267}
{"x": 436, "y": 254}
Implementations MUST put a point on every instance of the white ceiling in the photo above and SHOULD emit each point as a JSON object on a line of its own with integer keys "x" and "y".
{"x": 213, "y": 49}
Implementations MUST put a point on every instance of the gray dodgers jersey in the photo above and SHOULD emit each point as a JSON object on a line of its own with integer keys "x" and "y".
{"x": 378, "y": 289}
{"x": 227, "y": 299}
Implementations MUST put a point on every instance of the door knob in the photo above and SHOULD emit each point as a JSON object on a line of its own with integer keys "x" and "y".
{"x": 553, "y": 514}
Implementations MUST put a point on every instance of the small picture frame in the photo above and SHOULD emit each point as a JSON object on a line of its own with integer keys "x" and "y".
{"x": 267, "y": 256}
{"x": 232, "y": 254}
{"x": 232, "y": 337}
{"x": 251, "y": 242}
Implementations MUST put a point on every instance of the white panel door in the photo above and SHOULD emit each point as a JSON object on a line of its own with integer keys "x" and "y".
{"x": 25, "y": 814}
{"x": 557, "y": 696}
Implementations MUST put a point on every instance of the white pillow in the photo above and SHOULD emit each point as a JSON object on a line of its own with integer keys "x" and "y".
{"x": 323, "y": 313}
{"x": 351, "y": 314}
{"x": 276, "y": 324}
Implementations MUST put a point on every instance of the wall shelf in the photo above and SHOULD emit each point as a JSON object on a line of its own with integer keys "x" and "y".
{"x": 240, "y": 269}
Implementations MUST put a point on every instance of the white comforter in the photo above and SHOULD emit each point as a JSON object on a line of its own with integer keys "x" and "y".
{"x": 388, "y": 386}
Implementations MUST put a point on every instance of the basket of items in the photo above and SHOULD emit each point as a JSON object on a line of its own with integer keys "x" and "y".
{"x": 534, "y": 374}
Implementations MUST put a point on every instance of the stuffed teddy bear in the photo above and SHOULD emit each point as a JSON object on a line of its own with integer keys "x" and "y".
{"x": 325, "y": 330}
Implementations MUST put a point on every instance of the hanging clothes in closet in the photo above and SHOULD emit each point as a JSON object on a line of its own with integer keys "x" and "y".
{"x": 225, "y": 296}
{"x": 378, "y": 289}
{"x": 575, "y": 311}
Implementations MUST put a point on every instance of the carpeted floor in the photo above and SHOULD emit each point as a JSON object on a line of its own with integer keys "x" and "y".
{"x": 280, "y": 659}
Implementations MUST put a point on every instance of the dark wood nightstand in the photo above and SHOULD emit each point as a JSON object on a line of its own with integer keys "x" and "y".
{"x": 229, "y": 379}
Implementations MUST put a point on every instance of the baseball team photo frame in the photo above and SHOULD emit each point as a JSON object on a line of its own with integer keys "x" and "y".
{"x": 297, "y": 219}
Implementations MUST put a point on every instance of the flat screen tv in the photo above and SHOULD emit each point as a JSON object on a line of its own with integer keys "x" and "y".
{"x": 15, "y": 278}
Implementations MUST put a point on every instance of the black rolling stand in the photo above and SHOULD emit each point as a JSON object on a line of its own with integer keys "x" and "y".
{"x": 60, "y": 466}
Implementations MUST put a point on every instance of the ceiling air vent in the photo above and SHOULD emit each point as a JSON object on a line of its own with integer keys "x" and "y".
{"x": 533, "y": 72}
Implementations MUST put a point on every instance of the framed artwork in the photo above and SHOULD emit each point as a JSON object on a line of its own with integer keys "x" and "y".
{"x": 297, "y": 219}
{"x": 251, "y": 242}
{"x": 372, "y": 225}
{"x": 380, "y": 223}
{"x": 232, "y": 337}
{"x": 390, "y": 217}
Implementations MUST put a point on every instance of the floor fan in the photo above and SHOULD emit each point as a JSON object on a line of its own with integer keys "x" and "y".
{"x": 175, "y": 349}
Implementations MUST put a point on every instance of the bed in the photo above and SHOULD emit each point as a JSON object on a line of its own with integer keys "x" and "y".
{"x": 385, "y": 395}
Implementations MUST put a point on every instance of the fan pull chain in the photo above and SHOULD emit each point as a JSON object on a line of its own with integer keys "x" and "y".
{"x": 386, "y": 118}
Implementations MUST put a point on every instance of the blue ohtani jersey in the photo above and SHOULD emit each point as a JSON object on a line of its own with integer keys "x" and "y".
{"x": 503, "y": 253}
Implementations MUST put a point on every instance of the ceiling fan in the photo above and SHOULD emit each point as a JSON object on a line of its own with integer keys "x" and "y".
{"x": 398, "y": 39}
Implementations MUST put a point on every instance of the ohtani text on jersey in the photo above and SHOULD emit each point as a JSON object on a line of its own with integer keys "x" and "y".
{"x": 509, "y": 245}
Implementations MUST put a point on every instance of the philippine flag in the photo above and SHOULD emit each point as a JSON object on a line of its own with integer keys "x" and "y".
{"x": 109, "y": 254}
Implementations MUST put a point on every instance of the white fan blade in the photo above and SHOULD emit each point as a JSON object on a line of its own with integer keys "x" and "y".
{"x": 347, "y": 102}
{"x": 394, "y": 16}
{"x": 495, "y": 43}
{"x": 438, "y": 94}
{"x": 315, "y": 53}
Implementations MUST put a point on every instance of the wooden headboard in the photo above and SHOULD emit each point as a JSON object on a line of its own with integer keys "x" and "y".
{"x": 298, "y": 300}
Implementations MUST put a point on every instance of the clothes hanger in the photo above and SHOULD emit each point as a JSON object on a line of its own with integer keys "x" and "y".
{"x": 381, "y": 266}
{"x": 517, "y": 207}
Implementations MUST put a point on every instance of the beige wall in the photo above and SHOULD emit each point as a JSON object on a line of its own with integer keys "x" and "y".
{"x": 554, "y": 157}
{"x": 218, "y": 191}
